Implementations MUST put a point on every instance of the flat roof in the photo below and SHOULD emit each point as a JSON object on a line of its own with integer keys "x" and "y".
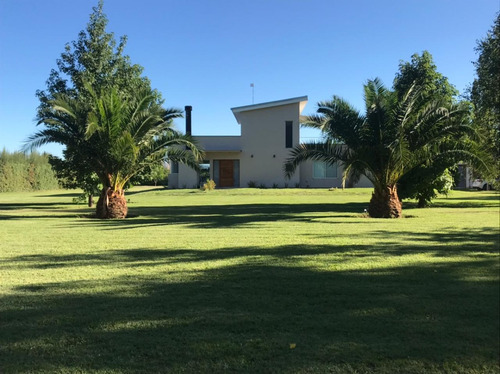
{"x": 302, "y": 100}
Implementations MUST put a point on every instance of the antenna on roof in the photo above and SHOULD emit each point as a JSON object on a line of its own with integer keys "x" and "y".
{"x": 253, "y": 87}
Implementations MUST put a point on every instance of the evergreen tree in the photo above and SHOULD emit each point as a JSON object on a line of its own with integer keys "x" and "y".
{"x": 94, "y": 62}
{"x": 105, "y": 113}
{"x": 485, "y": 92}
{"x": 425, "y": 181}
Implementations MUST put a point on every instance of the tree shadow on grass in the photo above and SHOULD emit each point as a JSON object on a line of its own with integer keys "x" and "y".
{"x": 63, "y": 194}
{"x": 445, "y": 242}
{"x": 235, "y": 215}
{"x": 31, "y": 205}
{"x": 480, "y": 243}
{"x": 459, "y": 203}
{"x": 243, "y": 317}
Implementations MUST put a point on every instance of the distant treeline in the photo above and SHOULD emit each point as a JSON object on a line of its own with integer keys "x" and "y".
{"x": 21, "y": 172}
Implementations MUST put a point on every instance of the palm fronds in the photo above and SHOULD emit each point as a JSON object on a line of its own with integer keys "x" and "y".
{"x": 119, "y": 135}
{"x": 398, "y": 132}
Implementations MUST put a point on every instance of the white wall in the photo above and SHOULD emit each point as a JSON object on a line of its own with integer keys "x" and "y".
{"x": 307, "y": 179}
{"x": 186, "y": 178}
{"x": 219, "y": 143}
{"x": 263, "y": 145}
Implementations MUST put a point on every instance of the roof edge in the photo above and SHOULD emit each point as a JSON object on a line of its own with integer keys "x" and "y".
{"x": 269, "y": 104}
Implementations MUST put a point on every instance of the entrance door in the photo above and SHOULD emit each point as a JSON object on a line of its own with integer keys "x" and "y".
{"x": 226, "y": 173}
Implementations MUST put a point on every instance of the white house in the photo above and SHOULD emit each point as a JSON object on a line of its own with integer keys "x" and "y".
{"x": 256, "y": 157}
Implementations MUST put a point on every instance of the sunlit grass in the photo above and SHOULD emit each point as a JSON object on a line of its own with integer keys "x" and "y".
{"x": 226, "y": 280}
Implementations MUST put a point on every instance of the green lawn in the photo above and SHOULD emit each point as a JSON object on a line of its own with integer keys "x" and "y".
{"x": 230, "y": 280}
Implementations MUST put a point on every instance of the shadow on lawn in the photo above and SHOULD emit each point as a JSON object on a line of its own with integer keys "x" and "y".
{"x": 480, "y": 243}
{"x": 223, "y": 216}
{"x": 242, "y": 318}
{"x": 31, "y": 205}
{"x": 63, "y": 194}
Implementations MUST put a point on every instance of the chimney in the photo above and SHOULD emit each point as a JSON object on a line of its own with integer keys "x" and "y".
{"x": 188, "y": 110}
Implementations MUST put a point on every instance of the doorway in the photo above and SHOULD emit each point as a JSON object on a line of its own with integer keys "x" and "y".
{"x": 226, "y": 173}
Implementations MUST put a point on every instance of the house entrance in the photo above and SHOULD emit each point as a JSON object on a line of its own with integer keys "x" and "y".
{"x": 226, "y": 173}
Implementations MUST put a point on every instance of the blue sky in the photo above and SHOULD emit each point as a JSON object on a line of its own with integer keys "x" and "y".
{"x": 206, "y": 53}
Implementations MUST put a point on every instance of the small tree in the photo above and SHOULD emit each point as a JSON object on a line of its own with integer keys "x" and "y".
{"x": 399, "y": 132}
{"x": 124, "y": 134}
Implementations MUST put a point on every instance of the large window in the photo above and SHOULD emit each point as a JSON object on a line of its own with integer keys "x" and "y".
{"x": 289, "y": 134}
{"x": 322, "y": 170}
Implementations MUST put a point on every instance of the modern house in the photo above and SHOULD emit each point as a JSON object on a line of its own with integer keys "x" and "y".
{"x": 255, "y": 158}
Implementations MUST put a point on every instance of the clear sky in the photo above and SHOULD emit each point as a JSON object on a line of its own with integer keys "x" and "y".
{"x": 206, "y": 53}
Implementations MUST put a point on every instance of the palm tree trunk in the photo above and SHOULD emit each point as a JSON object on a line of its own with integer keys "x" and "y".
{"x": 385, "y": 203}
{"x": 111, "y": 204}
{"x": 101, "y": 206}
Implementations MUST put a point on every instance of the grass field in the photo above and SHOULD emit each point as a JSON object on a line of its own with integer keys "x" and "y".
{"x": 255, "y": 281}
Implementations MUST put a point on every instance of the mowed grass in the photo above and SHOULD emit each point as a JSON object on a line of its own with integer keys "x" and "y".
{"x": 247, "y": 280}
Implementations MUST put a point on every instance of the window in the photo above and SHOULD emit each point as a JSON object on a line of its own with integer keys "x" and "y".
{"x": 175, "y": 167}
{"x": 322, "y": 170}
{"x": 288, "y": 134}
{"x": 204, "y": 173}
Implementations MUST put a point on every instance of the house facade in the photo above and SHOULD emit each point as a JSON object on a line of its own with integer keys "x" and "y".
{"x": 256, "y": 157}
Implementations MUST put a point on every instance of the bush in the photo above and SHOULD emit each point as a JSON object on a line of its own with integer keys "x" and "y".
{"x": 152, "y": 175}
{"x": 252, "y": 184}
{"x": 209, "y": 185}
{"x": 20, "y": 172}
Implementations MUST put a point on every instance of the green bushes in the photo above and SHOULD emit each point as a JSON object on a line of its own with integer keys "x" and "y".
{"x": 20, "y": 172}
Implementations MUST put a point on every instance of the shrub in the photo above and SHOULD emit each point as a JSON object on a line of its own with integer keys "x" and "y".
{"x": 252, "y": 184}
{"x": 20, "y": 172}
{"x": 209, "y": 185}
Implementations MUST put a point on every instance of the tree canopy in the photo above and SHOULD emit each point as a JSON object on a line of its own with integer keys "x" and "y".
{"x": 400, "y": 130}
{"x": 426, "y": 180}
{"x": 110, "y": 120}
{"x": 95, "y": 61}
{"x": 485, "y": 91}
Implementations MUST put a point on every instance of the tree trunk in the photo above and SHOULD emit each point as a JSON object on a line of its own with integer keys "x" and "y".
{"x": 91, "y": 201}
{"x": 111, "y": 204}
{"x": 385, "y": 203}
{"x": 101, "y": 206}
{"x": 422, "y": 203}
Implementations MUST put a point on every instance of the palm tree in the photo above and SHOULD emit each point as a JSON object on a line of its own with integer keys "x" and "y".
{"x": 393, "y": 137}
{"x": 119, "y": 137}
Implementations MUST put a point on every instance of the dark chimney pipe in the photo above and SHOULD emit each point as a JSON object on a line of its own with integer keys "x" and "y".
{"x": 188, "y": 109}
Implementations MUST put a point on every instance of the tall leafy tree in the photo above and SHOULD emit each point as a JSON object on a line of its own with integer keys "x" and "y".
{"x": 398, "y": 132}
{"x": 95, "y": 61}
{"x": 106, "y": 115}
{"x": 485, "y": 92}
{"x": 425, "y": 181}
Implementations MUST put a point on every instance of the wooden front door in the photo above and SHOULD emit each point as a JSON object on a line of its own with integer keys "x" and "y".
{"x": 226, "y": 173}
